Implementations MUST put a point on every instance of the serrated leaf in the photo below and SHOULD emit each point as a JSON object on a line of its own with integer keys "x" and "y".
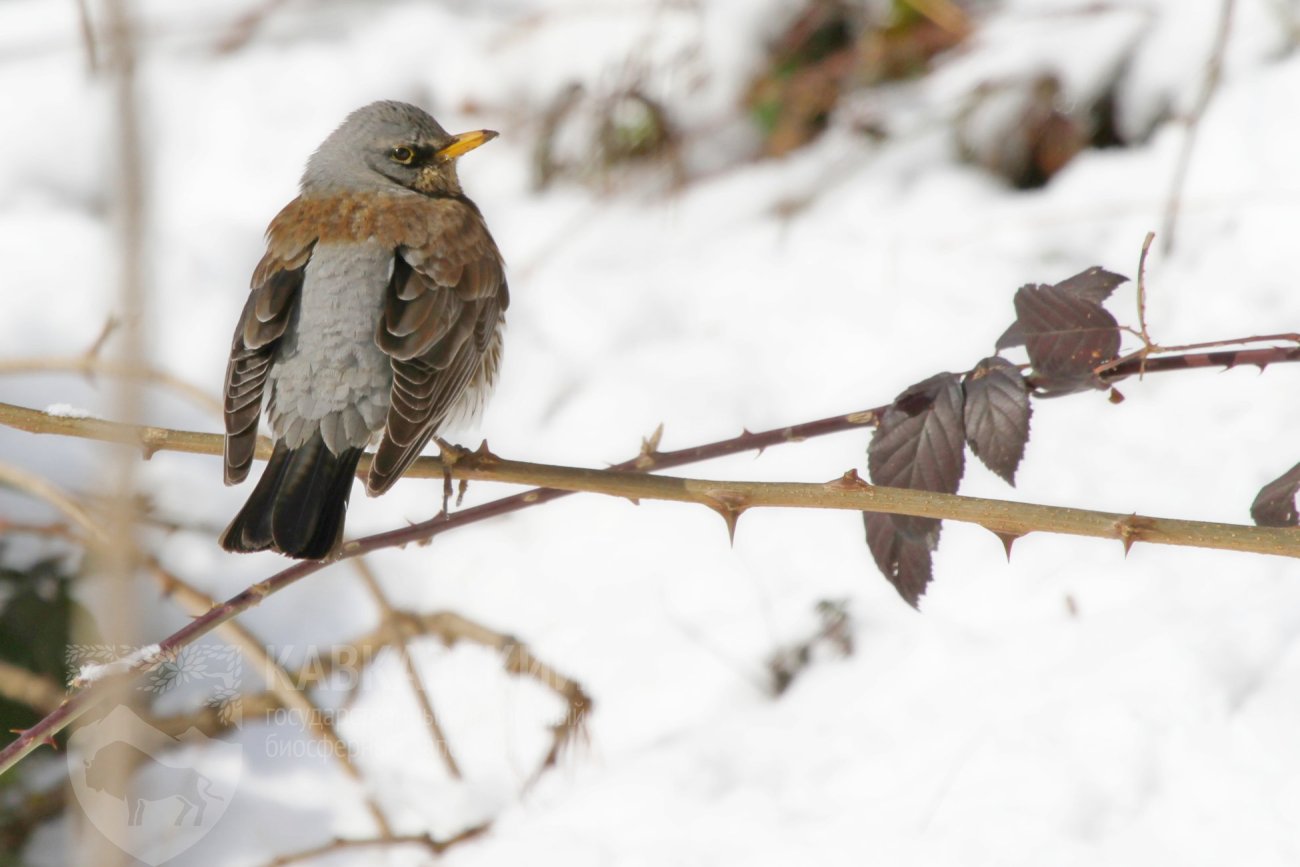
{"x": 1094, "y": 284}
{"x": 997, "y": 415}
{"x": 919, "y": 444}
{"x": 904, "y": 561}
{"x": 1066, "y": 337}
{"x": 1274, "y": 505}
{"x": 920, "y": 439}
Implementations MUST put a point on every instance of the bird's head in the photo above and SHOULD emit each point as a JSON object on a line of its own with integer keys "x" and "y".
{"x": 390, "y": 143}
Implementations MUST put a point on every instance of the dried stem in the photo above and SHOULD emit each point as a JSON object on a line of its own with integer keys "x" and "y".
{"x": 726, "y": 497}
{"x": 1213, "y": 72}
{"x": 279, "y": 682}
{"x": 91, "y": 364}
{"x": 22, "y": 686}
{"x": 627, "y": 480}
{"x": 435, "y": 847}
{"x": 393, "y": 626}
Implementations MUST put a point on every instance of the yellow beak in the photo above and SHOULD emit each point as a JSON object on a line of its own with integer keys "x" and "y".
{"x": 465, "y": 142}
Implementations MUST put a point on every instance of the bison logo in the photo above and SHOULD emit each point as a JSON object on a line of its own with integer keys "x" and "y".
{"x": 152, "y": 795}
{"x": 185, "y": 785}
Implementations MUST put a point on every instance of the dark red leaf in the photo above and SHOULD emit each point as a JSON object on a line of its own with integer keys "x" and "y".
{"x": 1274, "y": 506}
{"x": 1094, "y": 284}
{"x": 905, "y": 561}
{"x": 919, "y": 444}
{"x": 997, "y": 415}
{"x": 1066, "y": 337}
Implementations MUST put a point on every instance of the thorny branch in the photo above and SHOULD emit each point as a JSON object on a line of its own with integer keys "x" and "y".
{"x": 730, "y": 499}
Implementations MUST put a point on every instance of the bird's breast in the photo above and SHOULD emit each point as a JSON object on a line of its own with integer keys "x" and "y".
{"x": 329, "y": 374}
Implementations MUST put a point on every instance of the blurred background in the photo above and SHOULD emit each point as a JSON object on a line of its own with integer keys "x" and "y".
{"x": 716, "y": 215}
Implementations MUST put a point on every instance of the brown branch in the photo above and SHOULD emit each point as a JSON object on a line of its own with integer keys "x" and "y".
{"x": 435, "y": 847}
{"x": 1007, "y": 519}
{"x": 91, "y": 363}
{"x": 279, "y": 682}
{"x": 24, "y": 687}
{"x": 1213, "y": 72}
{"x": 392, "y": 625}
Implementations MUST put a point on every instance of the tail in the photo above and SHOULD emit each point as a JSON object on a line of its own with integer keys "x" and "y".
{"x": 299, "y": 503}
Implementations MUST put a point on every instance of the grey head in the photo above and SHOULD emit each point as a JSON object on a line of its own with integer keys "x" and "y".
{"x": 388, "y": 144}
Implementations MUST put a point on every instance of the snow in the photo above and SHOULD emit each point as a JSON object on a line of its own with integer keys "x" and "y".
{"x": 1072, "y": 706}
{"x": 90, "y": 673}
{"x": 67, "y": 410}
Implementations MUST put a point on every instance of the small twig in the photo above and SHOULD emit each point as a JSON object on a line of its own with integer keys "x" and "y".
{"x": 1137, "y": 363}
{"x": 450, "y": 628}
{"x": 46, "y": 490}
{"x": 88, "y": 43}
{"x": 93, "y": 363}
{"x": 435, "y": 847}
{"x": 1147, "y": 344}
{"x": 279, "y": 681}
{"x": 848, "y": 492}
{"x": 24, "y": 687}
{"x": 393, "y": 623}
{"x": 1213, "y": 72}
{"x": 245, "y": 27}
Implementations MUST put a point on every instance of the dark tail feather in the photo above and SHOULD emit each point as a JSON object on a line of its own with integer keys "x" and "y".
{"x": 299, "y": 503}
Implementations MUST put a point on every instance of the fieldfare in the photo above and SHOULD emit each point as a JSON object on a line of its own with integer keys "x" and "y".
{"x": 376, "y": 314}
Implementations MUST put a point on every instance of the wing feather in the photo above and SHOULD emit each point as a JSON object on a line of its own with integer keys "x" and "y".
{"x": 277, "y": 282}
{"x": 442, "y": 317}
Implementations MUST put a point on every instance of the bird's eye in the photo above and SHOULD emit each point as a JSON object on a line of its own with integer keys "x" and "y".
{"x": 403, "y": 155}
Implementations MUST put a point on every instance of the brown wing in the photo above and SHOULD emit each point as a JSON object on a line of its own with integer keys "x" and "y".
{"x": 440, "y": 322}
{"x": 276, "y": 285}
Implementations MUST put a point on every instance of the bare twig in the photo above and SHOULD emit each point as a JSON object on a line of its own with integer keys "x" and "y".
{"x": 87, "y": 30}
{"x": 726, "y": 497}
{"x": 44, "y": 489}
{"x": 279, "y": 681}
{"x": 435, "y": 847}
{"x": 1213, "y": 72}
{"x": 93, "y": 364}
{"x": 24, "y": 687}
{"x": 393, "y": 624}
{"x": 246, "y": 26}
{"x": 1147, "y": 344}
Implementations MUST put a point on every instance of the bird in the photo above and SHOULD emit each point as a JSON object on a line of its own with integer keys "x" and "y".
{"x": 375, "y": 315}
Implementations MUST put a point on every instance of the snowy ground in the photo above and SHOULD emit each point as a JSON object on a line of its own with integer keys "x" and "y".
{"x": 1075, "y": 706}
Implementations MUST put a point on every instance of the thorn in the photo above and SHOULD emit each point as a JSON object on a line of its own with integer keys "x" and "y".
{"x": 1130, "y": 530}
{"x": 850, "y": 481}
{"x": 1115, "y": 396}
{"x": 1008, "y": 539}
{"x": 645, "y": 460}
{"x": 731, "y": 516}
{"x": 746, "y": 434}
{"x": 484, "y": 454}
{"x": 730, "y": 506}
